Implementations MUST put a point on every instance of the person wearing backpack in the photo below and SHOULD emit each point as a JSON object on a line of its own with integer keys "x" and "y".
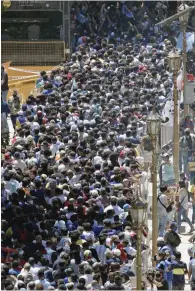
{"x": 171, "y": 237}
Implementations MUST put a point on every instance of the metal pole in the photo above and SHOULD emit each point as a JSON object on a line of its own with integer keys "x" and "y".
{"x": 154, "y": 202}
{"x": 176, "y": 129}
{"x": 184, "y": 24}
{"x": 139, "y": 259}
{"x": 66, "y": 25}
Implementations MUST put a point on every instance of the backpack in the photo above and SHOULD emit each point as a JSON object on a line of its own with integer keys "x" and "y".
{"x": 148, "y": 144}
{"x": 173, "y": 239}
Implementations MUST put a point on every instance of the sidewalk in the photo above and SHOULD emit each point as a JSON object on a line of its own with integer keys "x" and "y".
{"x": 183, "y": 247}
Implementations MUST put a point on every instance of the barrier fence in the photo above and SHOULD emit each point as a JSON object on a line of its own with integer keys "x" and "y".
{"x": 33, "y": 53}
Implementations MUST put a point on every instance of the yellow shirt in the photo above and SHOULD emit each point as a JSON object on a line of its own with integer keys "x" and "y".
{"x": 191, "y": 166}
{"x": 192, "y": 190}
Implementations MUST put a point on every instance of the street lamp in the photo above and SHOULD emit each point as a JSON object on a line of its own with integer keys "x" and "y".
{"x": 174, "y": 62}
{"x": 138, "y": 213}
{"x": 183, "y": 21}
{"x": 184, "y": 17}
{"x": 153, "y": 130}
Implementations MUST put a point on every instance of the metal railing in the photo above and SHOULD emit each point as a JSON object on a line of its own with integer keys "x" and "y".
{"x": 33, "y": 53}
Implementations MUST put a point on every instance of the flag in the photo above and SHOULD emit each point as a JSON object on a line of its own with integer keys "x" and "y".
{"x": 180, "y": 81}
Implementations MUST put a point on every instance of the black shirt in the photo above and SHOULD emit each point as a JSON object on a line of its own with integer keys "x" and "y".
{"x": 164, "y": 286}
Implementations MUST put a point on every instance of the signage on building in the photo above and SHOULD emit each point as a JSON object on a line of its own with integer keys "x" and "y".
{"x": 33, "y": 5}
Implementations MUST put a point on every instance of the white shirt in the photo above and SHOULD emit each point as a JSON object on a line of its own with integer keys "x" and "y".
{"x": 161, "y": 209}
{"x": 130, "y": 251}
{"x": 12, "y": 185}
{"x": 19, "y": 164}
{"x": 34, "y": 271}
{"x": 54, "y": 148}
{"x": 89, "y": 234}
{"x": 117, "y": 209}
{"x": 75, "y": 179}
{"x": 34, "y": 125}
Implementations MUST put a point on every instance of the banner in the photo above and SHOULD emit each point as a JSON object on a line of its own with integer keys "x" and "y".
{"x": 189, "y": 41}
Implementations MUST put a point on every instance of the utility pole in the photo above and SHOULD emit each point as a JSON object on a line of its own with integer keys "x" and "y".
{"x": 66, "y": 6}
{"x": 183, "y": 22}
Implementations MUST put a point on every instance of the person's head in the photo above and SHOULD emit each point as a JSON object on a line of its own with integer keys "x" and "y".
{"x": 187, "y": 131}
{"x": 182, "y": 184}
{"x": 118, "y": 280}
{"x": 15, "y": 264}
{"x": 27, "y": 267}
{"x": 39, "y": 287}
{"x": 188, "y": 117}
{"x": 160, "y": 256}
{"x": 31, "y": 285}
{"x": 113, "y": 201}
{"x": 158, "y": 275}
{"x": 41, "y": 274}
{"x": 177, "y": 255}
{"x": 15, "y": 93}
{"x": 88, "y": 270}
{"x": 165, "y": 158}
{"x": 173, "y": 226}
{"x": 102, "y": 239}
{"x": 163, "y": 189}
{"x": 31, "y": 261}
{"x": 111, "y": 276}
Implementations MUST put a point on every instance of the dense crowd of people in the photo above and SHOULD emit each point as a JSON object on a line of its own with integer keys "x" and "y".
{"x": 80, "y": 156}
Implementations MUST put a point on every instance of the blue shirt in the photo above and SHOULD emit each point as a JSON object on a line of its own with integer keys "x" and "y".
{"x": 178, "y": 268}
{"x": 5, "y": 108}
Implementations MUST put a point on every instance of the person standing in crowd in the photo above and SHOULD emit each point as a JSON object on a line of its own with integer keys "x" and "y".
{"x": 179, "y": 269}
{"x": 191, "y": 166}
{"x": 192, "y": 195}
{"x": 187, "y": 147}
{"x": 187, "y": 123}
{"x": 4, "y": 123}
{"x": 182, "y": 206}
{"x": 14, "y": 103}
{"x": 162, "y": 212}
{"x": 166, "y": 171}
{"x": 4, "y": 83}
